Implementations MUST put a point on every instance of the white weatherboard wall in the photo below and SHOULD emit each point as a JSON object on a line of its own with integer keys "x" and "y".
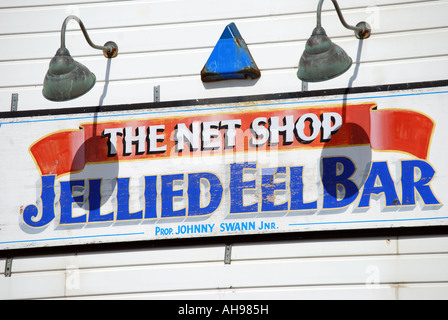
{"x": 166, "y": 43}
{"x": 371, "y": 268}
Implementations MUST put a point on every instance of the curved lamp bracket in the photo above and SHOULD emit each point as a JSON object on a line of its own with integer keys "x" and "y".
{"x": 110, "y": 48}
{"x": 362, "y": 29}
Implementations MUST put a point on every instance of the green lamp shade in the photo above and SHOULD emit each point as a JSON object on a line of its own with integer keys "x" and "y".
{"x": 322, "y": 59}
{"x": 66, "y": 79}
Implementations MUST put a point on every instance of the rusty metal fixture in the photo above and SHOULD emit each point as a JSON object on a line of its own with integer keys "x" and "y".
{"x": 230, "y": 58}
{"x": 67, "y": 79}
{"x": 322, "y": 59}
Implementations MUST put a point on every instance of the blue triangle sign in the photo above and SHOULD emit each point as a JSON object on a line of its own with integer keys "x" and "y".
{"x": 230, "y": 58}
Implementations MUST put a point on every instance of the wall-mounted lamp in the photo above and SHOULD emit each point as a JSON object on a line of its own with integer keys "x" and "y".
{"x": 67, "y": 79}
{"x": 322, "y": 59}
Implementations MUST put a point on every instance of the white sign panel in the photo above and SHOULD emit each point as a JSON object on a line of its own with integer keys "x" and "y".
{"x": 372, "y": 160}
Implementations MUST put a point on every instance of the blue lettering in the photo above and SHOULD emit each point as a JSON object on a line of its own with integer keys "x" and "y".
{"x": 237, "y": 226}
{"x": 186, "y": 229}
{"x": 331, "y": 180}
{"x": 194, "y": 194}
{"x": 48, "y": 196}
{"x": 268, "y": 188}
{"x": 380, "y": 171}
{"x": 150, "y": 197}
{"x": 338, "y": 191}
{"x": 296, "y": 187}
{"x": 168, "y": 195}
{"x": 95, "y": 203}
{"x": 164, "y": 231}
{"x": 409, "y": 185}
{"x": 123, "y": 196}
{"x": 238, "y": 185}
{"x": 248, "y": 225}
{"x": 66, "y": 200}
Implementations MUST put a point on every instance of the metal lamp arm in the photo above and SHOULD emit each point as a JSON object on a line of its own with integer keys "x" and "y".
{"x": 362, "y": 29}
{"x": 110, "y": 49}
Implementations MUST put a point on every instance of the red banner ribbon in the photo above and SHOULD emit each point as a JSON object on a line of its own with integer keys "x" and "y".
{"x": 387, "y": 130}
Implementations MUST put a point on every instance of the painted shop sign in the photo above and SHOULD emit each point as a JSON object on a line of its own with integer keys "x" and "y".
{"x": 324, "y": 163}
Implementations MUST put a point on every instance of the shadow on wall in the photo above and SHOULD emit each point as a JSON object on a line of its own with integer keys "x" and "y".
{"x": 361, "y": 154}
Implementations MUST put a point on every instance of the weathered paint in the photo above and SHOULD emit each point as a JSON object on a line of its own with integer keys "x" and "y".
{"x": 166, "y": 43}
{"x": 272, "y": 166}
{"x": 230, "y": 59}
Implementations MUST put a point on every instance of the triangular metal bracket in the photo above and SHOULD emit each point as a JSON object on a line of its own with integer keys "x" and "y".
{"x": 230, "y": 59}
